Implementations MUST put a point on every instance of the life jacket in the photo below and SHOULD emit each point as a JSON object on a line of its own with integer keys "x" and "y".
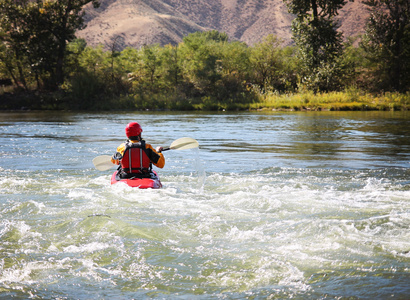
{"x": 135, "y": 159}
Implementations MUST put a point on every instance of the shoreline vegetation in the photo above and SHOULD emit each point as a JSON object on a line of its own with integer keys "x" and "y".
{"x": 348, "y": 100}
{"x": 205, "y": 72}
{"x": 43, "y": 66}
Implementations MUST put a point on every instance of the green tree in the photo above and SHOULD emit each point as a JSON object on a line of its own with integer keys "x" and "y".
{"x": 147, "y": 72}
{"x": 39, "y": 31}
{"x": 129, "y": 58}
{"x": 201, "y": 60}
{"x": 74, "y": 51}
{"x": 86, "y": 86}
{"x": 318, "y": 42}
{"x": 211, "y": 35}
{"x": 13, "y": 37}
{"x": 60, "y": 20}
{"x": 352, "y": 64}
{"x": 91, "y": 59}
{"x": 387, "y": 43}
{"x": 172, "y": 68}
{"x": 235, "y": 69}
{"x": 271, "y": 64}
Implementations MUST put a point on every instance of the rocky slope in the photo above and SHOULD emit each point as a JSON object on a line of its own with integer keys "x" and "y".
{"x": 137, "y": 22}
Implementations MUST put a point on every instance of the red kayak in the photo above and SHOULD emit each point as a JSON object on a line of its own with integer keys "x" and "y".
{"x": 143, "y": 183}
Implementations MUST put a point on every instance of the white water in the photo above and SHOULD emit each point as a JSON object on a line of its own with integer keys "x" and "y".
{"x": 232, "y": 221}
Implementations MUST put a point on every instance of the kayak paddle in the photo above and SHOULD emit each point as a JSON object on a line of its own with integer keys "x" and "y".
{"x": 182, "y": 144}
{"x": 103, "y": 162}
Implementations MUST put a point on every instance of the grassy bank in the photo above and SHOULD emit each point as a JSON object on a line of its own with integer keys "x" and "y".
{"x": 352, "y": 99}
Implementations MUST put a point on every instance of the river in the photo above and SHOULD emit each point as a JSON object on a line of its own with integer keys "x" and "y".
{"x": 302, "y": 205}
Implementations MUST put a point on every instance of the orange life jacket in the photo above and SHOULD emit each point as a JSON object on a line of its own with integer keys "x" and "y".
{"x": 134, "y": 159}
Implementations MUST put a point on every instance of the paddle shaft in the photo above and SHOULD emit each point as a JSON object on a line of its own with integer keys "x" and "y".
{"x": 104, "y": 163}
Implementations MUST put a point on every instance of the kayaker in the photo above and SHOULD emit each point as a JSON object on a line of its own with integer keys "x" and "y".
{"x": 135, "y": 156}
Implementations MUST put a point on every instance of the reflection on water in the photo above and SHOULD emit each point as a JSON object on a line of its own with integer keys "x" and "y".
{"x": 362, "y": 140}
{"x": 273, "y": 205}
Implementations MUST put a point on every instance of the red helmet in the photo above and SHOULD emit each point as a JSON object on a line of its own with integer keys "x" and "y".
{"x": 133, "y": 129}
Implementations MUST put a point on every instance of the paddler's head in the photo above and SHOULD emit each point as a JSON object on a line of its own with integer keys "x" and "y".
{"x": 133, "y": 131}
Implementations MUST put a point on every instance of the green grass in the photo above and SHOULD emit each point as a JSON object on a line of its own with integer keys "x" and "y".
{"x": 350, "y": 99}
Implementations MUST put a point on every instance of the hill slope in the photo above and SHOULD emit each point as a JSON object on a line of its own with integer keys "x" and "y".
{"x": 138, "y": 22}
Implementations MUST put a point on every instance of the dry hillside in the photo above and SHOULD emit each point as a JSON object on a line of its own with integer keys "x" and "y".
{"x": 138, "y": 22}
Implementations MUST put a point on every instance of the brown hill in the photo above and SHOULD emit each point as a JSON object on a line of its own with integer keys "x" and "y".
{"x": 137, "y": 22}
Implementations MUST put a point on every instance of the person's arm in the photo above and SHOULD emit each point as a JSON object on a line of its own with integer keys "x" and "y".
{"x": 157, "y": 158}
{"x": 115, "y": 159}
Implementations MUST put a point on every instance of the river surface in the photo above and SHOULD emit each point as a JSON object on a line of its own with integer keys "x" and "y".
{"x": 302, "y": 205}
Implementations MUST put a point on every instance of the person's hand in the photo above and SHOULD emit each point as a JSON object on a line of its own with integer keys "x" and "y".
{"x": 159, "y": 149}
{"x": 115, "y": 159}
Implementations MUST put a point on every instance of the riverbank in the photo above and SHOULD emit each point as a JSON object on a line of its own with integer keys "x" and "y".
{"x": 348, "y": 100}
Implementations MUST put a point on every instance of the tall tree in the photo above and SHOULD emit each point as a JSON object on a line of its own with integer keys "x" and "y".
{"x": 318, "y": 42}
{"x": 150, "y": 65}
{"x": 387, "y": 42}
{"x": 13, "y": 39}
{"x": 201, "y": 63}
{"x": 40, "y": 30}
{"x": 268, "y": 62}
{"x": 172, "y": 67}
{"x": 61, "y": 19}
